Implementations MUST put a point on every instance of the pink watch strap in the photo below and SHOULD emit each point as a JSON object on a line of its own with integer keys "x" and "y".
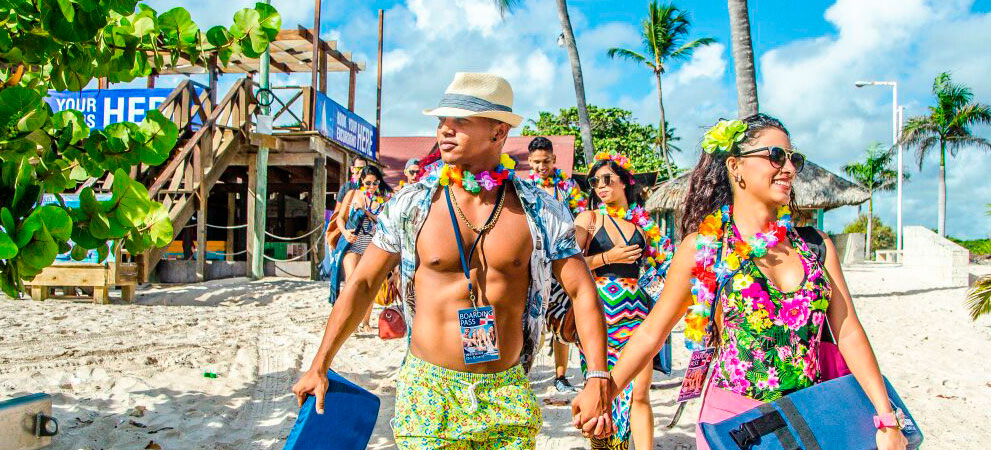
{"x": 888, "y": 420}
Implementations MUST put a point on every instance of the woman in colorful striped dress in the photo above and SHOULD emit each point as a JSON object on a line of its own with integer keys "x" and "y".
{"x": 617, "y": 248}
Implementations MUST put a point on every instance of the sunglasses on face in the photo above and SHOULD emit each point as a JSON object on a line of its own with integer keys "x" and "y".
{"x": 413, "y": 172}
{"x": 606, "y": 179}
{"x": 370, "y": 183}
{"x": 777, "y": 156}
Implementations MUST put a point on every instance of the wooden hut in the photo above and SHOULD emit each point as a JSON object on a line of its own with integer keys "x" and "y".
{"x": 817, "y": 190}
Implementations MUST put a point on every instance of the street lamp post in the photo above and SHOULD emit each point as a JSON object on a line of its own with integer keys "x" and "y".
{"x": 895, "y": 135}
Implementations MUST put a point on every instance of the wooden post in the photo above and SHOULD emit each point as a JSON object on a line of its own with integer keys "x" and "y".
{"x": 318, "y": 207}
{"x": 323, "y": 71}
{"x": 231, "y": 206}
{"x": 214, "y": 77}
{"x": 309, "y": 108}
{"x": 351, "y": 83}
{"x": 151, "y": 81}
{"x": 317, "y": 53}
{"x": 202, "y": 201}
{"x": 102, "y": 83}
{"x": 378, "y": 92}
{"x": 252, "y": 186}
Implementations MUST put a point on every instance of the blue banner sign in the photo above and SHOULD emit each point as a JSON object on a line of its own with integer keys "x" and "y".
{"x": 72, "y": 201}
{"x": 102, "y": 107}
{"x": 344, "y": 127}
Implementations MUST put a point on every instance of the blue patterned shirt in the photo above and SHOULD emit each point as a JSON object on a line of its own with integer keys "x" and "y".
{"x": 552, "y": 231}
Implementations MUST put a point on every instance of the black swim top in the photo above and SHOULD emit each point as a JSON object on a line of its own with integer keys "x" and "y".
{"x": 602, "y": 243}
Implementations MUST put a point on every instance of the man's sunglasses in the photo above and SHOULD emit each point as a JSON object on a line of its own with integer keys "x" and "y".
{"x": 413, "y": 172}
{"x": 606, "y": 179}
{"x": 777, "y": 157}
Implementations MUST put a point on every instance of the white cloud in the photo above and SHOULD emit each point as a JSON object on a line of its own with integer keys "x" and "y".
{"x": 394, "y": 61}
{"x": 706, "y": 62}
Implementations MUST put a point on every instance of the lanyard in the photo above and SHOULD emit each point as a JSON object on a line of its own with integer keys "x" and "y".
{"x": 465, "y": 260}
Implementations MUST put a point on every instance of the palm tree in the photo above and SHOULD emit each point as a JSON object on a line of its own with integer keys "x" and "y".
{"x": 979, "y": 298}
{"x": 663, "y": 34}
{"x": 743, "y": 57}
{"x": 876, "y": 173}
{"x": 568, "y": 39}
{"x": 947, "y": 127}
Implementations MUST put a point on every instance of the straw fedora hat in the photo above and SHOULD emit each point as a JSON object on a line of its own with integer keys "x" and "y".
{"x": 478, "y": 95}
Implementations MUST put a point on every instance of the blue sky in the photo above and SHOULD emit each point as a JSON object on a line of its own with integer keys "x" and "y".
{"x": 808, "y": 58}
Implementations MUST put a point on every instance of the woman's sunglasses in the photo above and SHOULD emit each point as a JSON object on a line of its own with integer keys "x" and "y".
{"x": 371, "y": 183}
{"x": 605, "y": 179}
{"x": 777, "y": 157}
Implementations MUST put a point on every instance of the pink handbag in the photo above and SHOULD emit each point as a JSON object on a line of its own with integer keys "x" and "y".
{"x": 831, "y": 362}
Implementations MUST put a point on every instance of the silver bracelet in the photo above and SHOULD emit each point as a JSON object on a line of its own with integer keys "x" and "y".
{"x": 597, "y": 374}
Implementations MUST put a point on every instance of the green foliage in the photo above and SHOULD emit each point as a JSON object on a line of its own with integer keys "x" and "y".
{"x": 979, "y": 298}
{"x": 63, "y": 45}
{"x": 975, "y": 246}
{"x": 613, "y": 130}
{"x": 877, "y": 171}
{"x": 882, "y": 236}
{"x": 949, "y": 125}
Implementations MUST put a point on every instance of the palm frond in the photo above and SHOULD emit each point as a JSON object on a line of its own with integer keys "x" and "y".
{"x": 631, "y": 55}
{"x": 979, "y": 298}
{"x": 923, "y": 134}
{"x": 686, "y": 51}
{"x": 955, "y": 143}
{"x": 507, "y": 6}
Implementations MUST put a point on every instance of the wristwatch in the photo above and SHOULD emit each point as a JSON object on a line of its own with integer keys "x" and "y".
{"x": 597, "y": 374}
{"x": 890, "y": 420}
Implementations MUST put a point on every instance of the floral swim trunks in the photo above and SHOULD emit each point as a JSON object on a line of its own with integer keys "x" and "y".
{"x": 444, "y": 408}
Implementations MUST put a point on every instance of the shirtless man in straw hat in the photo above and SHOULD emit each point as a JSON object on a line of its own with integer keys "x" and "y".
{"x": 476, "y": 247}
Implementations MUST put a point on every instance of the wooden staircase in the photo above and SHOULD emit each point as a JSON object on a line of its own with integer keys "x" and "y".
{"x": 202, "y": 154}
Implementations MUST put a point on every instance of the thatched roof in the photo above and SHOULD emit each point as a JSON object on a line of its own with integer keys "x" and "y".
{"x": 815, "y": 188}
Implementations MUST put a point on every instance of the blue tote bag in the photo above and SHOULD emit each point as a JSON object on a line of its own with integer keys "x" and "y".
{"x": 834, "y": 415}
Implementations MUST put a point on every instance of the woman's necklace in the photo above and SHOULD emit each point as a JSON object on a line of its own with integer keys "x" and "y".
{"x": 706, "y": 274}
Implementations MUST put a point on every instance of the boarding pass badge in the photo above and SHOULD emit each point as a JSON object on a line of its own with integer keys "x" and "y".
{"x": 694, "y": 382}
{"x": 479, "y": 338}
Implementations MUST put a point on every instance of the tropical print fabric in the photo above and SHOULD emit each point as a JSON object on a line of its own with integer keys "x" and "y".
{"x": 770, "y": 339}
{"x": 552, "y": 231}
{"x": 443, "y": 408}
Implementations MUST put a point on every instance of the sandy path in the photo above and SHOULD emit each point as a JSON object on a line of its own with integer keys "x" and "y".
{"x": 105, "y": 363}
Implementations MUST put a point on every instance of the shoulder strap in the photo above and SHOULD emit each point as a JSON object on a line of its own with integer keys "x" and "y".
{"x": 814, "y": 240}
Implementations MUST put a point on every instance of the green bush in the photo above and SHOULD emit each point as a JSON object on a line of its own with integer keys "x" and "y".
{"x": 976, "y": 246}
{"x": 882, "y": 236}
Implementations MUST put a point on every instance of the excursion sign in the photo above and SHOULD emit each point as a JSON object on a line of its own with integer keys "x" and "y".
{"x": 102, "y": 107}
{"x": 344, "y": 127}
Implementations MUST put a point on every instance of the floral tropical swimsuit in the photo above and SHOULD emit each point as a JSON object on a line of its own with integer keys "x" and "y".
{"x": 770, "y": 339}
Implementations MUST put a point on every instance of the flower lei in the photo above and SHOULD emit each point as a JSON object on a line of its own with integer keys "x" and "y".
{"x": 488, "y": 180}
{"x": 723, "y": 136}
{"x": 577, "y": 200}
{"x": 659, "y": 249}
{"x": 377, "y": 199}
{"x": 706, "y": 276}
{"x": 620, "y": 160}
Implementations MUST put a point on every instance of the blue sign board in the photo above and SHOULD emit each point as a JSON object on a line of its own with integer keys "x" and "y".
{"x": 72, "y": 201}
{"x": 101, "y": 107}
{"x": 344, "y": 127}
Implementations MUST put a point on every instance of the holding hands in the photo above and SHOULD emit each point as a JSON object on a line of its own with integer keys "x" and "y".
{"x": 591, "y": 410}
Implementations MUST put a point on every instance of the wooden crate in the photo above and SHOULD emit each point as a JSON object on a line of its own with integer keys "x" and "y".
{"x": 100, "y": 277}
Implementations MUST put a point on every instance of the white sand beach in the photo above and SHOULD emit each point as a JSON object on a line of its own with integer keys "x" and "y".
{"x": 125, "y": 375}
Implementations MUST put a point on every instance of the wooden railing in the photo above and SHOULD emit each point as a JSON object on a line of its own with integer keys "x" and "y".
{"x": 195, "y": 167}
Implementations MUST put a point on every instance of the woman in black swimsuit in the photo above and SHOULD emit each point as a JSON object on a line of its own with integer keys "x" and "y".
{"x": 615, "y": 255}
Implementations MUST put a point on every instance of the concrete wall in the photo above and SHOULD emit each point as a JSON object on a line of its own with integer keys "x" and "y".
{"x": 179, "y": 271}
{"x": 934, "y": 260}
{"x": 850, "y": 247}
